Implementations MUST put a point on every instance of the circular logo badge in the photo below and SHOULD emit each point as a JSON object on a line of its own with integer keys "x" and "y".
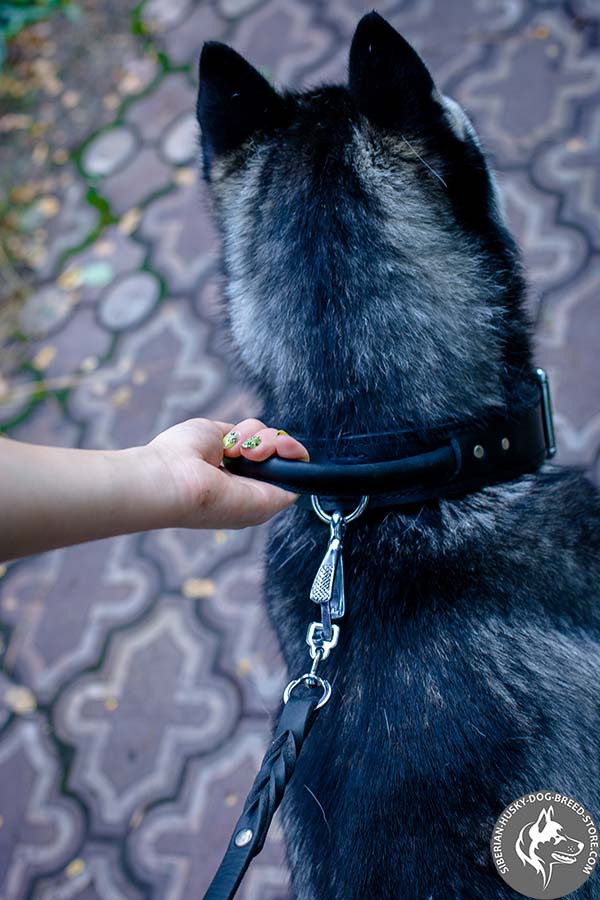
{"x": 545, "y": 845}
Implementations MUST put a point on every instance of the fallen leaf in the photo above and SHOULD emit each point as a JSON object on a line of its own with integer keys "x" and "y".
{"x": 14, "y": 121}
{"x": 49, "y": 206}
{"x": 121, "y": 396}
{"x": 130, "y": 220}
{"x": 20, "y": 700}
{"x": 43, "y": 358}
{"x": 104, "y": 248}
{"x": 75, "y": 868}
{"x": 97, "y": 274}
{"x": 70, "y": 99}
{"x": 70, "y": 278}
{"x": 185, "y": 176}
{"x": 60, "y": 156}
{"x": 196, "y": 588}
{"x": 89, "y": 364}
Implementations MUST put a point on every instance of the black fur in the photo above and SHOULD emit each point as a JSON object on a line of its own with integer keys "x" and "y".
{"x": 372, "y": 284}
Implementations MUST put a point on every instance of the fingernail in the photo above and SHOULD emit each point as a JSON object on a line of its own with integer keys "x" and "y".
{"x": 305, "y": 458}
{"x": 230, "y": 439}
{"x": 281, "y": 431}
{"x": 252, "y": 442}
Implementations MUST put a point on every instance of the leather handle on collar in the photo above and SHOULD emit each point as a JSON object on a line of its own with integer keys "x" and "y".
{"x": 460, "y": 461}
{"x": 347, "y": 479}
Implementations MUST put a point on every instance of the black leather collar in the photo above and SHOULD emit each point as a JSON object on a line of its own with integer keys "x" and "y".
{"x": 406, "y": 467}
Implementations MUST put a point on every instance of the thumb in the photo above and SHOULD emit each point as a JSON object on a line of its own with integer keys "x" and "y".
{"x": 252, "y": 502}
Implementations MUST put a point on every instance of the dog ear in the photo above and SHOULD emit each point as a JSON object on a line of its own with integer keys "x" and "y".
{"x": 388, "y": 80}
{"x": 234, "y": 101}
{"x": 543, "y": 819}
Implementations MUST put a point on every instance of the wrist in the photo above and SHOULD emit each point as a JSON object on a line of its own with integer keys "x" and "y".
{"x": 156, "y": 489}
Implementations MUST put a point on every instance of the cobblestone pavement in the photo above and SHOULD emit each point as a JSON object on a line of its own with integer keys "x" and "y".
{"x": 138, "y": 675}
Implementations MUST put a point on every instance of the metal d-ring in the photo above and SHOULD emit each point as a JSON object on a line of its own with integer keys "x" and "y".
{"x": 310, "y": 680}
{"x": 326, "y": 517}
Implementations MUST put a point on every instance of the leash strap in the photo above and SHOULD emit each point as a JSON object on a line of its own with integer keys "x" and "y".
{"x": 266, "y": 793}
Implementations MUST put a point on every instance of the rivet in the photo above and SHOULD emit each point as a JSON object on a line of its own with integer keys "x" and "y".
{"x": 243, "y": 837}
{"x": 478, "y": 451}
{"x": 505, "y": 443}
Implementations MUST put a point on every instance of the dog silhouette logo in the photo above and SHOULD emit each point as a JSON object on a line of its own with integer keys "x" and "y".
{"x": 545, "y": 845}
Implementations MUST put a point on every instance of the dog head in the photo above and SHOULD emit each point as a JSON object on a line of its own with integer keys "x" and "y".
{"x": 543, "y": 844}
{"x": 370, "y": 277}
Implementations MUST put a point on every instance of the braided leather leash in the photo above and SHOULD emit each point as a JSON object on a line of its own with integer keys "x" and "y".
{"x": 303, "y": 698}
{"x": 265, "y": 795}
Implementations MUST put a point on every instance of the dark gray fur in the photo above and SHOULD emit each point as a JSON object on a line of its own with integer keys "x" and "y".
{"x": 371, "y": 284}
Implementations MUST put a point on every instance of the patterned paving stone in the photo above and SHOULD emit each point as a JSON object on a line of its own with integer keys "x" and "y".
{"x": 129, "y": 301}
{"x": 41, "y": 829}
{"x": 553, "y": 252}
{"x": 73, "y": 223}
{"x": 184, "y": 554}
{"x": 282, "y": 40}
{"x": 571, "y": 167}
{"x": 82, "y": 338}
{"x": 250, "y": 653}
{"x": 184, "y": 42}
{"x": 46, "y": 424}
{"x": 16, "y": 395}
{"x": 109, "y": 151}
{"x": 178, "y": 845}
{"x": 568, "y": 345}
{"x": 90, "y": 590}
{"x": 516, "y": 110}
{"x": 95, "y": 874}
{"x": 160, "y": 15}
{"x": 180, "y": 229}
{"x": 173, "y": 97}
{"x": 138, "y": 73}
{"x": 155, "y": 701}
{"x": 180, "y": 142}
{"x": 223, "y": 574}
{"x": 115, "y": 252}
{"x": 45, "y": 310}
{"x": 145, "y": 175}
{"x": 160, "y": 375}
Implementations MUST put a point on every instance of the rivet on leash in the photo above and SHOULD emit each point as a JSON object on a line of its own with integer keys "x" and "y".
{"x": 505, "y": 443}
{"x": 478, "y": 451}
{"x": 243, "y": 837}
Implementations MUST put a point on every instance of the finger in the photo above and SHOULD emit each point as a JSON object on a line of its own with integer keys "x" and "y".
{"x": 238, "y": 434}
{"x": 289, "y": 448}
{"x": 262, "y": 445}
{"x": 268, "y": 442}
{"x": 225, "y": 427}
{"x": 249, "y": 502}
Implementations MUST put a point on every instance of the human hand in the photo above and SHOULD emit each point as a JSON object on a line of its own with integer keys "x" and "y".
{"x": 198, "y": 491}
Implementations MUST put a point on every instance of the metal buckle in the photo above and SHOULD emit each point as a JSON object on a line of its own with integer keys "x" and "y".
{"x": 550, "y": 437}
{"x": 316, "y": 640}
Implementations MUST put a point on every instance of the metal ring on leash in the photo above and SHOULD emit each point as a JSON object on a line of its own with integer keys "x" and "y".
{"x": 309, "y": 680}
{"x": 326, "y": 517}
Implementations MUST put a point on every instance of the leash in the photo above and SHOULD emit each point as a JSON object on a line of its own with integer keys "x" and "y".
{"x": 302, "y": 698}
{"x": 367, "y": 470}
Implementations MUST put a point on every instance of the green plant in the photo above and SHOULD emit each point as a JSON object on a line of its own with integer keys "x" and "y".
{"x": 16, "y": 14}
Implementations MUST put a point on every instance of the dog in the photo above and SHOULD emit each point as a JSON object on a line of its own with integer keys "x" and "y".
{"x": 371, "y": 283}
{"x": 543, "y": 844}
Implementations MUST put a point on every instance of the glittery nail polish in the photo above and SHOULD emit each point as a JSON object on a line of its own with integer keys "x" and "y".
{"x": 281, "y": 431}
{"x": 252, "y": 442}
{"x": 230, "y": 439}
